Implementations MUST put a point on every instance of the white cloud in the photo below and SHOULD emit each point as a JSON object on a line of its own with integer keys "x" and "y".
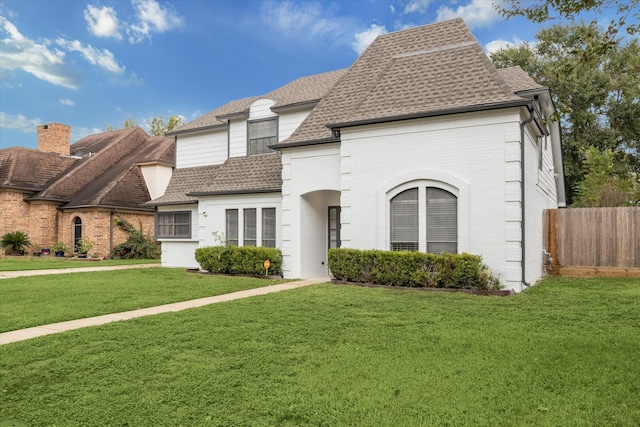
{"x": 152, "y": 18}
{"x": 496, "y": 45}
{"x": 308, "y": 19}
{"x": 19, "y": 122}
{"x": 419, "y": 6}
{"x": 67, "y": 102}
{"x": 102, "y": 22}
{"x": 18, "y": 52}
{"x": 102, "y": 58}
{"x": 365, "y": 38}
{"x": 477, "y": 14}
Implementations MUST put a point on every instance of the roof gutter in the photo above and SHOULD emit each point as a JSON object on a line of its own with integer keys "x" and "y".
{"x": 282, "y": 145}
{"x": 222, "y": 193}
{"x": 424, "y": 114}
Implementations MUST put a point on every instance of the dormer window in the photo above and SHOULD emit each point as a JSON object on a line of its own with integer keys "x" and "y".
{"x": 261, "y": 134}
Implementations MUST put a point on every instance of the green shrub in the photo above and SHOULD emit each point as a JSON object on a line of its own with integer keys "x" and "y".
{"x": 17, "y": 241}
{"x": 239, "y": 260}
{"x": 412, "y": 269}
{"x": 137, "y": 246}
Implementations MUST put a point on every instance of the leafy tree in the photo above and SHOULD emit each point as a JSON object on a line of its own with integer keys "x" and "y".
{"x": 159, "y": 127}
{"x": 130, "y": 122}
{"x": 627, "y": 12}
{"x": 597, "y": 96}
{"x": 602, "y": 186}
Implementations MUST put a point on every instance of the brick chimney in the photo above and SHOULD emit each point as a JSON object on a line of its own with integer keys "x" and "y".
{"x": 54, "y": 138}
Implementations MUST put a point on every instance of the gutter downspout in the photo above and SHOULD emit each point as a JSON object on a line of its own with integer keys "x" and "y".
{"x": 522, "y": 195}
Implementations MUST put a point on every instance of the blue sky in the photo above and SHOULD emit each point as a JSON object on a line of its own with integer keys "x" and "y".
{"x": 90, "y": 64}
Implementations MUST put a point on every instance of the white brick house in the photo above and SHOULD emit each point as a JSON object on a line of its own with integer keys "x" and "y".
{"x": 421, "y": 144}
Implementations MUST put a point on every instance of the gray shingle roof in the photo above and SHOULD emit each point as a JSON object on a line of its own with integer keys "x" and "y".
{"x": 423, "y": 70}
{"x": 252, "y": 174}
{"x": 183, "y": 181}
{"x": 300, "y": 91}
{"x": 237, "y": 175}
{"x": 518, "y": 79}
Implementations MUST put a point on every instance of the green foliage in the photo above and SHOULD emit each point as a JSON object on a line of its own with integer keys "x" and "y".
{"x": 596, "y": 94}
{"x": 239, "y": 259}
{"x": 17, "y": 241}
{"x": 83, "y": 246}
{"x": 627, "y": 13}
{"x": 158, "y": 127}
{"x": 60, "y": 247}
{"x": 602, "y": 185}
{"x": 411, "y": 269}
{"x": 138, "y": 245}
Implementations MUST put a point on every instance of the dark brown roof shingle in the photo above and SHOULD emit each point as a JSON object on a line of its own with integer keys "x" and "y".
{"x": 27, "y": 169}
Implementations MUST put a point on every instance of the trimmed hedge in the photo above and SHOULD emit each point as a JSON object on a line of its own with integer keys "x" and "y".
{"x": 239, "y": 259}
{"x": 412, "y": 269}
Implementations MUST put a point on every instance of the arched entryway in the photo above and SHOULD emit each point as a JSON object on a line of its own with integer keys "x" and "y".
{"x": 319, "y": 229}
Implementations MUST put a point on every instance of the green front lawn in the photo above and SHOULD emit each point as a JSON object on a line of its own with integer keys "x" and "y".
{"x": 19, "y": 263}
{"x": 564, "y": 353}
{"x": 39, "y": 300}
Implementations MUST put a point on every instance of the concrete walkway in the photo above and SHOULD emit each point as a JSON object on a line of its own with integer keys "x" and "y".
{"x": 14, "y": 274}
{"x": 54, "y": 328}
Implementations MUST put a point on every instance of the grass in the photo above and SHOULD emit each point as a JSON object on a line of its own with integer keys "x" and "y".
{"x": 564, "y": 353}
{"x": 39, "y": 300}
{"x": 15, "y": 263}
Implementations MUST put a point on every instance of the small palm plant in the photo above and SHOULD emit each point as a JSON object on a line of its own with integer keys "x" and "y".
{"x": 17, "y": 241}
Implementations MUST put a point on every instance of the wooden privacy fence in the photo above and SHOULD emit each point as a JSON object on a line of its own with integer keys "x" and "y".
{"x": 593, "y": 241}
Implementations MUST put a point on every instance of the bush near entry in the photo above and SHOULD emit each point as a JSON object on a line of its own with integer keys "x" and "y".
{"x": 239, "y": 259}
{"x": 412, "y": 269}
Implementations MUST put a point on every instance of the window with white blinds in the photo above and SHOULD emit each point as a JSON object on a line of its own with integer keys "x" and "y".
{"x": 442, "y": 221}
{"x": 232, "y": 226}
{"x": 261, "y": 134}
{"x": 250, "y": 230}
{"x": 173, "y": 225}
{"x": 432, "y": 210}
{"x": 404, "y": 221}
{"x": 269, "y": 227}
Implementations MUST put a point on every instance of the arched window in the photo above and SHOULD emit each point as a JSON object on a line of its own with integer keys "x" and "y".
{"x": 404, "y": 221}
{"x": 77, "y": 231}
{"x": 430, "y": 209}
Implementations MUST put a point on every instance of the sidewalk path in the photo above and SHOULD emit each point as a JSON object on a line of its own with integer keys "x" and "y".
{"x": 24, "y": 273}
{"x": 38, "y": 331}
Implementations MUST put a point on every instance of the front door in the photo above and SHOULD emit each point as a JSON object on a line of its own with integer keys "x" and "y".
{"x": 334, "y": 227}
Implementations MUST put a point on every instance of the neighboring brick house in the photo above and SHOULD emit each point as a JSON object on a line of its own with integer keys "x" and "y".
{"x": 63, "y": 191}
{"x": 422, "y": 144}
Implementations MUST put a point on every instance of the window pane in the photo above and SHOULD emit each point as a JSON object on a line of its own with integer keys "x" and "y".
{"x": 404, "y": 221}
{"x": 249, "y": 227}
{"x": 269, "y": 227}
{"x": 232, "y": 226}
{"x": 262, "y": 134}
{"x": 442, "y": 221}
{"x": 174, "y": 224}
